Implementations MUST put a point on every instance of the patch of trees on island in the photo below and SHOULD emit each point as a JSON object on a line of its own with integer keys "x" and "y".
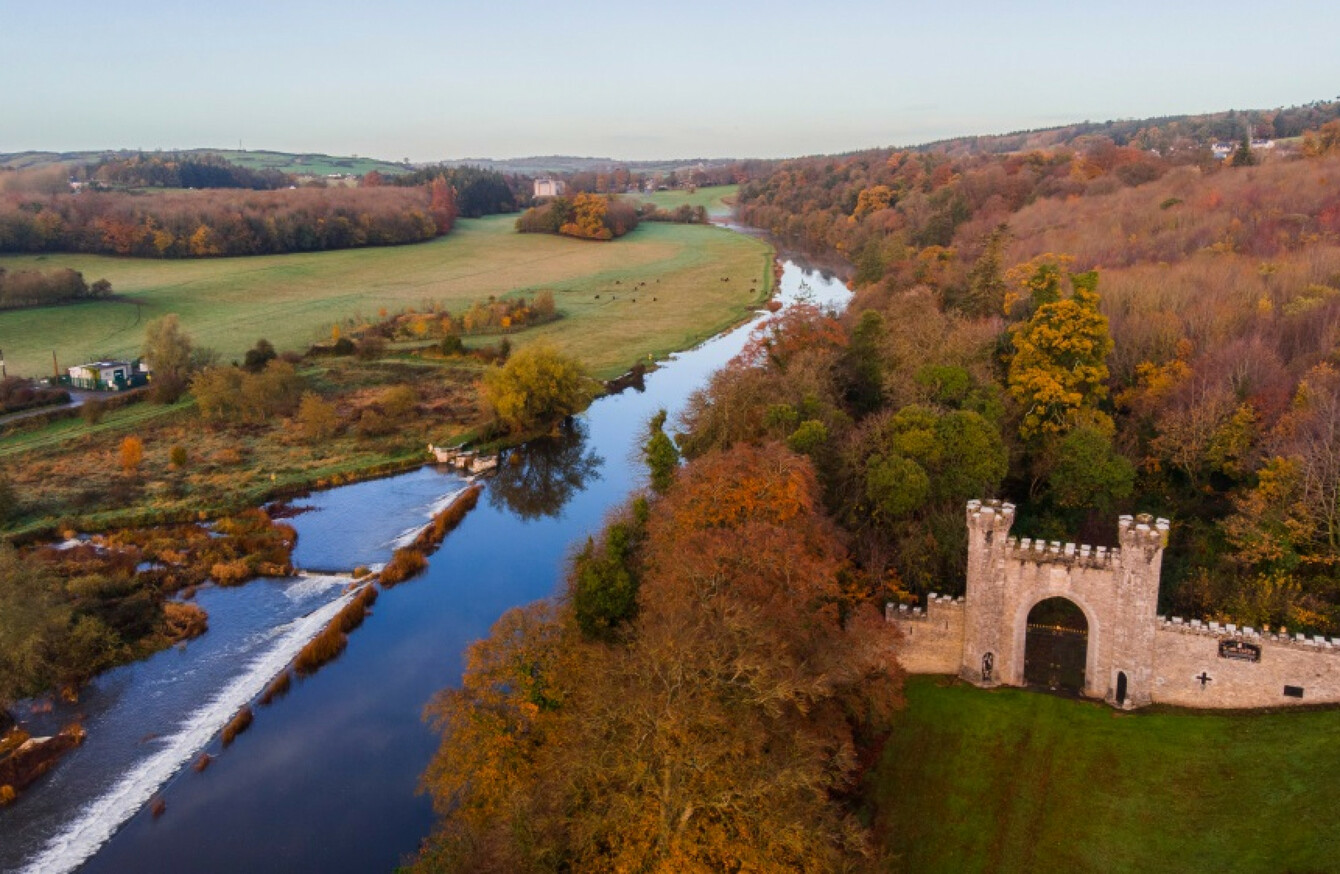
{"x": 599, "y": 217}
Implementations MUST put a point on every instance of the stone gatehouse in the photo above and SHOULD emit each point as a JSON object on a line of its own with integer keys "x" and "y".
{"x": 1121, "y": 650}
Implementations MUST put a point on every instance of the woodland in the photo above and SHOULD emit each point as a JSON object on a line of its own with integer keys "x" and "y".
{"x": 1086, "y": 330}
{"x": 199, "y": 206}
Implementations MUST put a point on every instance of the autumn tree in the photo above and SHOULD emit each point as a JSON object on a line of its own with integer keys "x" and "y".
{"x": 1059, "y": 366}
{"x": 442, "y": 204}
{"x": 131, "y": 454}
{"x": 537, "y": 386}
{"x": 588, "y": 218}
{"x": 32, "y": 620}
{"x": 720, "y": 734}
{"x": 317, "y": 417}
{"x": 167, "y": 349}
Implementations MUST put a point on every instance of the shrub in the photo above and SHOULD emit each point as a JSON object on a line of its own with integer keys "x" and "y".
{"x": 404, "y": 563}
{"x": 317, "y": 417}
{"x": 278, "y": 688}
{"x": 238, "y": 724}
{"x": 131, "y": 454}
{"x": 321, "y": 649}
{"x": 446, "y": 521}
{"x": 177, "y": 457}
{"x": 93, "y": 410}
{"x": 371, "y": 348}
{"x": 184, "y": 621}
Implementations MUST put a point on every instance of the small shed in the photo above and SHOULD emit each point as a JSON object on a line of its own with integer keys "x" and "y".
{"x": 108, "y": 375}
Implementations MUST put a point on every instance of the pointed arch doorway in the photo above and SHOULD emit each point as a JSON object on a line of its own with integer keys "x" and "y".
{"x": 1056, "y": 646}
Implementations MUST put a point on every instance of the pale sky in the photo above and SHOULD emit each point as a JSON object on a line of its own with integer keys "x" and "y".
{"x": 510, "y": 78}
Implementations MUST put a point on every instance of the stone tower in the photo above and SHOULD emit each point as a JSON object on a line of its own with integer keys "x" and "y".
{"x": 984, "y": 632}
{"x": 1134, "y": 616}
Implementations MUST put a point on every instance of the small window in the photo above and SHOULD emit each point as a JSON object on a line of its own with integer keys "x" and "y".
{"x": 1293, "y": 691}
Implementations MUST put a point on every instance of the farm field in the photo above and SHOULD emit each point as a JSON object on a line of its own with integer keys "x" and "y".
{"x": 293, "y": 300}
{"x": 1017, "y": 781}
{"x": 719, "y": 199}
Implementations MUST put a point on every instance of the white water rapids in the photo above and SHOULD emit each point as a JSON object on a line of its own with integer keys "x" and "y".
{"x": 100, "y": 819}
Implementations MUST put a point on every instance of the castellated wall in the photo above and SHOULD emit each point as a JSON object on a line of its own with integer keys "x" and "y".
{"x": 1133, "y": 657}
{"x": 932, "y": 638}
{"x": 1184, "y": 652}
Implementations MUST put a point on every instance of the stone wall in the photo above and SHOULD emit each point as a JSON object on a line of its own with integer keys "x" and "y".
{"x": 932, "y": 638}
{"x": 1133, "y": 656}
{"x": 1186, "y": 651}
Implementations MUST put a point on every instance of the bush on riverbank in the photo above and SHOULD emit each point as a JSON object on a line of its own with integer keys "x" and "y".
{"x": 332, "y": 640}
{"x": 446, "y": 521}
{"x": 238, "y": 724}
{"x": 405, "y": 563}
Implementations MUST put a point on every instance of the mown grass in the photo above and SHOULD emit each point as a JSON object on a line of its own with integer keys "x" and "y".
{"x": 292, "y": 300}
{"x": 1016, "y": 781}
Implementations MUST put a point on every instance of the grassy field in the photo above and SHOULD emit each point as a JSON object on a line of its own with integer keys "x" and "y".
{"x": 307, "y": 164}
{"x": 719, "y": 199}
{"x": 1017, "y": 781}
{"x": 292, "y": 300}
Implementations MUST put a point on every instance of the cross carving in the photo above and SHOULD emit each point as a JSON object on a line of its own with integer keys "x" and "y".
{"x": 1204, "y": 678}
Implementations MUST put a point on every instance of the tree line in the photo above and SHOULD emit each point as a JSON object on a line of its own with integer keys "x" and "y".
{"x": 196, "y": 224}
{"x": 173, "y": 170}
{"x": 30, "y": 288}
{"x": 478, "y": 192}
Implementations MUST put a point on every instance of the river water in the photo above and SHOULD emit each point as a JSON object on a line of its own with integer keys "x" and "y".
{"x": 326, "y": 777}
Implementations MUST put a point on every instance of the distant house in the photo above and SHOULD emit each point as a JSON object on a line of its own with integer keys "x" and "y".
{"x": 108, "y": 375}
{"x": 547, "y": 187}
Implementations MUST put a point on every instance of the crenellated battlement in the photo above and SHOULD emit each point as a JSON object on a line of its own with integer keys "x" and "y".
{"x": 1142, "y": 532}
{"x": 1056, "y": 552}
{"x": 1247, "y": 634}
{"x": 935, "y": 604}
{"x": 990, "y": 515}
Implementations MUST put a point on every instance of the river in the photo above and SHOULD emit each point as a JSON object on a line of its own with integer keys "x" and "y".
{"x": 326, "y": 777}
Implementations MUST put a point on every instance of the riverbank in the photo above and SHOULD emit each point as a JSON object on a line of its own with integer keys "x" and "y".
{"x": 276, "y": 783}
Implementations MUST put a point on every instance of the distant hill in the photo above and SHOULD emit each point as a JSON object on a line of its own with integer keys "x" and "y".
{"x": 312, "y": 164}
{"x": 309, "y": 164}
{"x": 565, "y": 164}
{"x": 1160, "y": 132}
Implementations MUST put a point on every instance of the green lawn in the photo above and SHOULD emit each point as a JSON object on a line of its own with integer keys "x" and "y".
{"x": 719, "y": 199}
{"x": 292, "y": 300}
{"x": 1017, "y": 781}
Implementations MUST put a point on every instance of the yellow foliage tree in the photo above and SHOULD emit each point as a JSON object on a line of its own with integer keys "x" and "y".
{"x": 537, "y": 385}
{"x": 588, "y": 218}
{"x": 1059, "y": 367}
{"x": 132, "y": 453}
